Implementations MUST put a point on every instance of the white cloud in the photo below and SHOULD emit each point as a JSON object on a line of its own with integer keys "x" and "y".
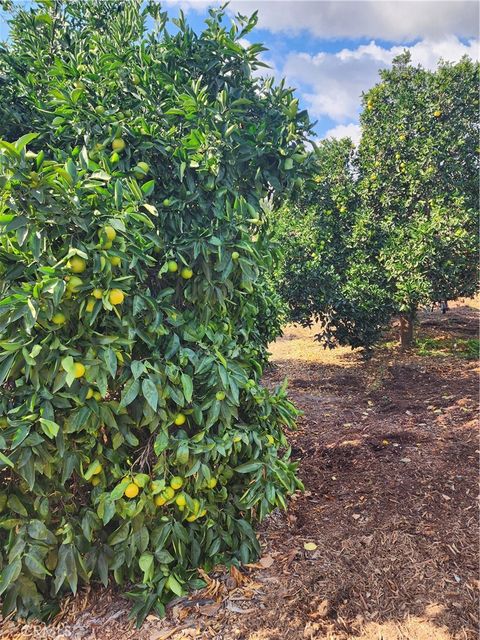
{"x": 393, "y": 20}
{"x": 332, "y": 83}
{"x": 351, "y": 130}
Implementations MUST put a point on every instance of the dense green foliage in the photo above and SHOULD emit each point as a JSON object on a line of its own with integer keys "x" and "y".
{"x": 419, "y": 166}
{"x": 394, "y": 226}
{"x": 136, "y": 441}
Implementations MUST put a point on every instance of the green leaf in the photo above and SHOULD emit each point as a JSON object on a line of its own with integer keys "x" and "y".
{"x": 130, "y": 392}
{"x": 248, "y": 467}
{"x": 187, "y": 386}
{"x": 49, "y": 427}
{"x": 10, "y": 574}
{"x": 150, "y": 392}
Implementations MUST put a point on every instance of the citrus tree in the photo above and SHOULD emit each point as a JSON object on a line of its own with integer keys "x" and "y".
{"x": 418, "y": 165}
{"x": 378, "y": 233}
{"x": 315, "y": 231}
{"x": 137, "y": 442}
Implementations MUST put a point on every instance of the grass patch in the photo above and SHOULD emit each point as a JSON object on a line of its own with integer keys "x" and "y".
{"x": 463, "y": 348}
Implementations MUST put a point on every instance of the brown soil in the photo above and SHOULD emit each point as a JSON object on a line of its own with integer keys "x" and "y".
{"x": 388, "y": 452}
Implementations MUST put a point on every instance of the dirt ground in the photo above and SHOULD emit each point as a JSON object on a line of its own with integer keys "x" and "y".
{"x": 383, "y": 543}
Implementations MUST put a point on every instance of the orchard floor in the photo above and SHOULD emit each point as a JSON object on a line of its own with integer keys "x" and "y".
{"x": 388, "y": 452}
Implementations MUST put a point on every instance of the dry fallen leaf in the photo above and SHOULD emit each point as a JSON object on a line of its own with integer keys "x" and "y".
{"x": 309, "y": 546}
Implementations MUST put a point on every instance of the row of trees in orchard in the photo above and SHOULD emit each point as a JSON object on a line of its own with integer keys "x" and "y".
{"x": 380, "y": 230}
{"x": 137, "y": 166}
{"x": 140, "y": 166}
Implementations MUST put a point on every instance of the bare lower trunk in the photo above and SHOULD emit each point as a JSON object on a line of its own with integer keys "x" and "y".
{"x": 406, "y": 332}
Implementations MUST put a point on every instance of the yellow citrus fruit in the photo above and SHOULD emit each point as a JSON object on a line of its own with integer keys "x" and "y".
{"x": 160, "y": 501}
{"x": 95, "y": 480}
{"x": 186, "y": 273}
{"x": 172, "y": 266}
{"x": 176, "y": 482}
{"x": 168, "y": 493}
{"x": 131, "y": 490}
{"x": 77, "y": 264}
{"x": 437, "y": 113}
{"x": 220, "y": 395}
{"x": 235, "y": 255}
{"x": 116, "y": 296}
{"x": 97, "y": 293}
{"x": 90, "y": 393}
{"x": 74, "y": 284}
{"x": 115, "y": 261}
{"x": 58, "y": 318}
{"x": 98, "y": 468}
{"x": 108, "y": 244}
{"x": 141, "y": 170}
{"x": 97, "y": 396}
{"x": 180, "y": 419}
{"x": 109, "y": 232}
{"x": 78, "y": 369}
{"x": 196, "y": 505}
{"x": 191, "y": 518}
{"x": 212, "y": 483}
{"x": 90, "y": 305}
{"x": 180, "y": 500}
{"x": 118, "y": 144}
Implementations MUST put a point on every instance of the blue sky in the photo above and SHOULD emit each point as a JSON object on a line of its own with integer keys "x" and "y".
{"x": 331, "y": 50}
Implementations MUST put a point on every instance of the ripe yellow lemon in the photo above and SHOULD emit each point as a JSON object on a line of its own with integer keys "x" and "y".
{"x": 74, "y": 284}
{"x": 212, "y": 483}
{"x": 115, "y": 261}
{"x": 58, "y": 318}
{"x": 176, "y": 482}
{"x": 180, "y": 419}
{"x": 97, "y": 293}
{"x": 191, "y": 518}
{"x": 78, "y": 369}
{"x": 90, "y": 393}
{"x": 180, "y": 500}
{"x": 118, "y": 144}
{"x": 437, "y": 113}
{"x": 160, "y": 501}
{"x": 168, "y": 493}
{"x": 131, "y": 490}
{"x": 172, "y": 266}
{"x": 90, "y": 305}
{"x": 109, "y": 232}
{"x": 186, "y": 273}
{"x": 95, "y": 480}
{"x": 77, "y": 264}
{"x": 116, "y": 296}
{"x": 97, "y": 396}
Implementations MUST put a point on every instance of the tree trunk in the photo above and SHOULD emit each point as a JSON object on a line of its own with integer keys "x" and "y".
{"x": 406, "y": 331}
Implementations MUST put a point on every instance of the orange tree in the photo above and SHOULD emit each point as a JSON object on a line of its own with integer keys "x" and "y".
{"x": 418, "y": 164}
{"x": 136, "y": 440}
{"x": 380, "y": 232}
